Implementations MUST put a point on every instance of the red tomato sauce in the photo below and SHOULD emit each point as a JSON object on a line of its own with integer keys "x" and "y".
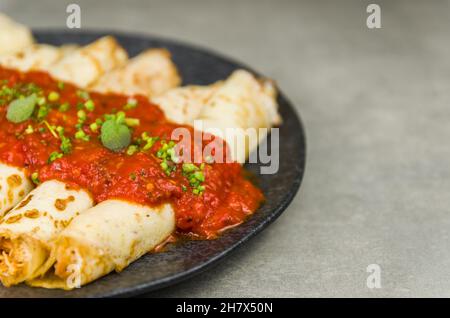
{"x": 228, "y": 199}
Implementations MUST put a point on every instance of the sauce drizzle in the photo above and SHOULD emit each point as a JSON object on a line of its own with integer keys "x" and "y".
{"x": 228, "y": 197}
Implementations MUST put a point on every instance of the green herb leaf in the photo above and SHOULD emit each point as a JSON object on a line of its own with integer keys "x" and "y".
{"x": 21, "y": 109}
{"x": 115, "y": 136}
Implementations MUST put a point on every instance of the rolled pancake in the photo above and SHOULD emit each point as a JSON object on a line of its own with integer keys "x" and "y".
{"x": 241, "y": 103}
{"x": 104, "y": 238}
{"x": 13, "y": 36}
{"x": 36, "y": 57}
{"x": 14, "y": 185}
{"x": 183, "y": 104}
{"x": 151, "y": 73}
{"x": 27, "y": 231}
{"x": 85, "y": 65}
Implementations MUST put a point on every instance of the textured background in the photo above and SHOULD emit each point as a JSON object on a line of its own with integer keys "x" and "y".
{"x": 375, "y": 104}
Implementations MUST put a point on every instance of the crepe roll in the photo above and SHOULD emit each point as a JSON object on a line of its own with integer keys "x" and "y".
{"x": 27, "y": 231}
{"x": 85, "y": 65}
{"x": 105, "y": 238}
{"x": 240, "y": 104}
{"x": 183, "y": 104}
{"x": 13, "y": 36}
{"x": 151, "y": 73}
{"x": 14, "y": 185}
{"x": 35, "y": 57}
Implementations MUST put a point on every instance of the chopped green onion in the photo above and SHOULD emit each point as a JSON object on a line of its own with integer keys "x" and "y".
{"x": 132, "y": 122}
{"x": 41, "y": 101}
{"x": 149, "y": 143}
{"x": 199, "y": 176}
{"x": 20, "y": 110}
{"x": 42, "y": 112}
{"x": 29, "y": 130}
{"x": 90, "y": 106}
{"x": 66, "y": 145}
{"x": 164, "y": 165}
{"x": 81, "y": 135}
{"x": 131, "y": 103}
{"x": 120, "y": 118}
{"x": 64, "y": 107}
{"x": 132, "y": 149}
{"x": 189, "y": 167}
{"x": 81, "y": 115}
{"x": 53, "y": 96}
{"x": 173, "y": 156}
{"x": 61, "y": 85}
{"x": 109, "y": 117}
{"x": 195, "y": 177}
{"x": 35, "y": 178}
{"x": 93, "y": 127}
{"x": 167, "y": 154}
{"x": 83, "y": 94}
{"x": 167, "y": 167}
{"x": 54, "y": 155}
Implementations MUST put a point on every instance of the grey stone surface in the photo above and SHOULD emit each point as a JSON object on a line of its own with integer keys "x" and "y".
{"x": 375, "y": 104}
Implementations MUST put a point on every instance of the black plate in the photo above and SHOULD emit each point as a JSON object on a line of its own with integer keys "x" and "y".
{"x": 153, "y": 271}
